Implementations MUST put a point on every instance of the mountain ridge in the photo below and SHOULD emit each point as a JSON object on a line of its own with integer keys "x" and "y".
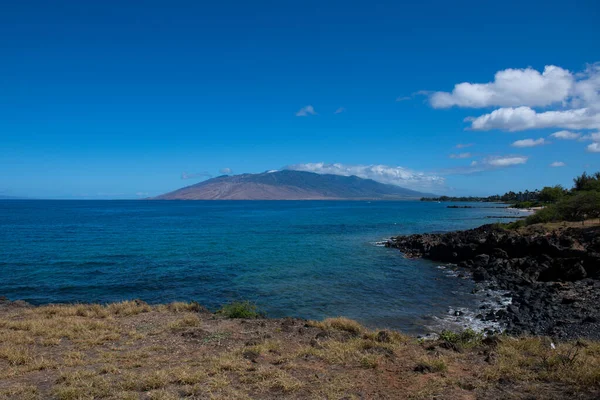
{"x": 290, "y": 185}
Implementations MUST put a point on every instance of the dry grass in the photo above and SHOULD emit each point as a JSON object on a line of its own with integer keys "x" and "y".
{"x": 131, "y": 350}
{"x": 340, "y": 324}
{"x": 534, "y": 359}
{"x": 185, "y": 322}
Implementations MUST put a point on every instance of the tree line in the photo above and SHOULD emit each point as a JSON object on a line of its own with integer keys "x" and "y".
{"x": 579, "y": 203}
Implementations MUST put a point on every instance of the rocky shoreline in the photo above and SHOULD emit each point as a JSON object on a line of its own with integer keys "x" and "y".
{"x": 552, "y": 274}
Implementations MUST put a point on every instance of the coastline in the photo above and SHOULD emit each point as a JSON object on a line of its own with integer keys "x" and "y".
{"x": 551, "y": 272}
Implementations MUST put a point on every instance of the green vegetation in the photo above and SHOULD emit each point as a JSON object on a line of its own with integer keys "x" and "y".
{"x": 466, "y": 338}
{"x": 240, "y": 309}
{"x": 509, "y": 197}
{"x": 526, "y": 199}
{"x": 578, "y": 204}
{"x": 552, "y": 194}
{"x": 557, "y": 204}
{"x": 527, "y": 204}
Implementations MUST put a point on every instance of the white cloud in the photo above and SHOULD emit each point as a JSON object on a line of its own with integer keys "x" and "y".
{"x": 594, "y": 137}
{"x": 226, "y": 171}
{"x": 506, "y": 161}
{"x": 567, "y": 135}
{"x": 511, "y": 87}
{"x": 586, "y": 90}
{"x": 593, "y": 148}
{"x": 461, "y": 155}
{"x": 141, "y": 194}
{"x": 523, "y": 118}
{"x": 382, "y": 173}
{"x": 403, "y": 98}
{"x": 569, "y": 100}
{"x": 556, "y": 164}
{"x": 463, "y": 145}
{"x": 305, "y": 111}
{"x": 529, "y": 142}
{"x": 340, "y": 110}
{"x": 486, "y": 164}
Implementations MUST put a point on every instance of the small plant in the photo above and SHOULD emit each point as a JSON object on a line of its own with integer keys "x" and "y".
{"x": 240, "y": 309}
{"x": 468, "y": 337}
{"x": 516, "y": 225}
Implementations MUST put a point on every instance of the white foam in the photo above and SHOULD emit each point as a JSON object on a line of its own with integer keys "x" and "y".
{"x": 380, "y": 243}
{"x": 485, "y": 299}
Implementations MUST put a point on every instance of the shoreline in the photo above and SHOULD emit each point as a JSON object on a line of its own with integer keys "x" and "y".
{"x": 551, "y": 272}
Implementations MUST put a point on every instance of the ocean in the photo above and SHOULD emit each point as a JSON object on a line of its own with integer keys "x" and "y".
{"x": 309, "y": 259}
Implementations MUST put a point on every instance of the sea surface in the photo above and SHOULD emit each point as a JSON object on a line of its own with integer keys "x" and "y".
{"x": 310, "y": 259}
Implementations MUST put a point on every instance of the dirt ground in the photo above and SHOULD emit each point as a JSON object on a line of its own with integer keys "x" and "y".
{"x": 132, "y": 350}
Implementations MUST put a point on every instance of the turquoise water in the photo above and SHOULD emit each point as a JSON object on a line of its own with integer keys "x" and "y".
{"x": 310, "y": 259}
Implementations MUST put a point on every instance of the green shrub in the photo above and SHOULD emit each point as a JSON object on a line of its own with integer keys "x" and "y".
{"x": 580, "y": 206}
{"x": 516, "y": 225}
{"x": 552, "y": 194}
{"x": 527, "y": 204}
{"x": 240, "y": 309}
{"x": 468, "y": 337}
{"x": 549, "y": 213}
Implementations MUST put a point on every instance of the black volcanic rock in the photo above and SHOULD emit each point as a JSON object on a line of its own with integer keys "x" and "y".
{"x": 291, "y": 185}
{"x": 552, "y": 275}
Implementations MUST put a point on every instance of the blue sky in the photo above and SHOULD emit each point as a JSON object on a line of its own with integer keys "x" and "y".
{"x": 124, "y": 99}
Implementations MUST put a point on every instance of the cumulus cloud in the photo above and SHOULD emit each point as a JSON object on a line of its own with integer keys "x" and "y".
{"x": 306, "y": 111}
{"x": 557, "y": 164}
{"x": 226, "y": 171}
{"x": 340, "y": 110}
{"x": 566, "y": 135}
{"x": 461, "y": 155}
{"x": 593, "y": 148}
{"x": 586, "y": 90}
{"x": 523, "y": 118}
{"x": 573, "y": 99}
{"x": 529, "y": 142}
{"x": 463, "y": 145}
{"x": 511, "y": 87}
{"x": 195, "y": 175}
{"x": 382, "y": 173}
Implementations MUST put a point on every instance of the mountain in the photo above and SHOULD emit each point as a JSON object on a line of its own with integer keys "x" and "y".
{"x": 291, "y": 185}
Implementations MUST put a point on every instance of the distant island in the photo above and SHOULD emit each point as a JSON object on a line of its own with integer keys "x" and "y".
{"x": 291, "y": 185}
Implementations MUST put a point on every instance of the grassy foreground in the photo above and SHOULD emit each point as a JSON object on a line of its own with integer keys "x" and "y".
{"x": 131, "y": 350}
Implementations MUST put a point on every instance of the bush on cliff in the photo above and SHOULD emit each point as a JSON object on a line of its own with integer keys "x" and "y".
{"x": 580, "y": 206}
{"x": 240, "y": 309}
{"x": 547, "y": 214}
